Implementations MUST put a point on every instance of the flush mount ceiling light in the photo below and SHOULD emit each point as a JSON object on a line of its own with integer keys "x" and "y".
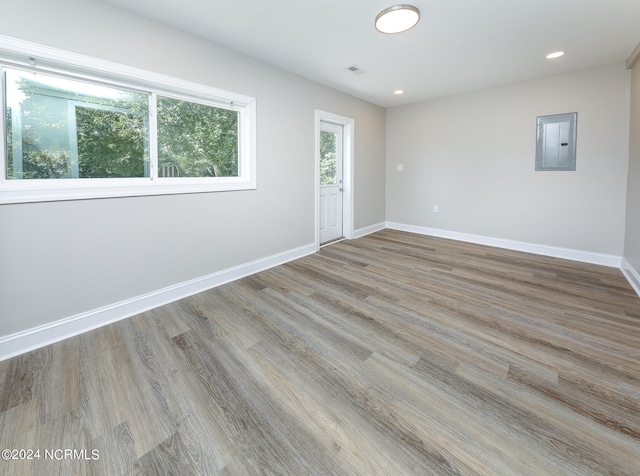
{"x": 397, "y": 19}
{"x": 555, "y": 54}
{"x": 398, "y": 92}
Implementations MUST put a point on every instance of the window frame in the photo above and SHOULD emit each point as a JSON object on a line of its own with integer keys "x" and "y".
{"x": 27, "y": 56}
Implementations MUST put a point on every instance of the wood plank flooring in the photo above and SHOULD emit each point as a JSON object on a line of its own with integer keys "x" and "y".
{"x": 393, "y": 354}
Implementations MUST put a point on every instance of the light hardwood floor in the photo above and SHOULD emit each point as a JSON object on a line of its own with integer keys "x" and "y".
{"x": 391, "y": 354}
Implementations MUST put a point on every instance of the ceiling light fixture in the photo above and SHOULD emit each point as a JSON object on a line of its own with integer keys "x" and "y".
{"x": 398, "y": 92}
{"x": 555, "y": 54}
{"x": 397, "y": 19}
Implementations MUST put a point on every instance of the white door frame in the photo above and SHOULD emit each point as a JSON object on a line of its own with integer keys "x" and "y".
{"x": 347, "y": 124}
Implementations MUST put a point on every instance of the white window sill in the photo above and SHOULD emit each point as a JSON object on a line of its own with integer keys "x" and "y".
{"x": 93, "y": 191}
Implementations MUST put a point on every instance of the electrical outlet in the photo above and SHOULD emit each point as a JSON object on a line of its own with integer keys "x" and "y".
{"x": 436, "y": 209}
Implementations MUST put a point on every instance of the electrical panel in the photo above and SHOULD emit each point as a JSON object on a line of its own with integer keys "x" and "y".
{"x": 556, "y": 142}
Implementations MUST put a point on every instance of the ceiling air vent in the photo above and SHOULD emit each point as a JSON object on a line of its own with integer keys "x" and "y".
{"x": 356, "y": 69}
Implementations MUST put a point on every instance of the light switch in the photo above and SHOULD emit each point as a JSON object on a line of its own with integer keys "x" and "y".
{"x": 399, "y": 167}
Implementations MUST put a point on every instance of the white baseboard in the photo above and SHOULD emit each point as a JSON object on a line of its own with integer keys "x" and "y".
{"x": 632, "y": 275}
{"x": 564, "y": 253}
{"x": 34, "y": 338}
{"x": 367, "y": 230}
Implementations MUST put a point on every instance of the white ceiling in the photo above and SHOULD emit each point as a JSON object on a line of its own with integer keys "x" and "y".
{"x": 458, "y": 45}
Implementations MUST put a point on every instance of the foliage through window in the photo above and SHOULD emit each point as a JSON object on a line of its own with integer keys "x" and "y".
{"x": 111, "y": 143}
{"x": 327, "y": 158}
{"x": 196, "y": 140}
{"x": 61, "y": 129}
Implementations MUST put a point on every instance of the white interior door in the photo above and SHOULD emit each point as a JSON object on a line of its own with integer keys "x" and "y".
{"x": 331, "y": 185}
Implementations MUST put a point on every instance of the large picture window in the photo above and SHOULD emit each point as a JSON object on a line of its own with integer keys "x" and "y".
{"x": 69, "y": 136}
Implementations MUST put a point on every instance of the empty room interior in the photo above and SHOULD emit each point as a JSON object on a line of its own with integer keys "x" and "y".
{"x": 288, "y": 238}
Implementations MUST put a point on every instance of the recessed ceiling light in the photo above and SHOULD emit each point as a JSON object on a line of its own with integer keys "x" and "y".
{"x": 398, "y": 91}
{"x": 555, "y": 54}
{"x": 397, "y": 19}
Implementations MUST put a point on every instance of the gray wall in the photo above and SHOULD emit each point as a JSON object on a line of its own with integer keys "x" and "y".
{"x": 473, "y": 156}
{"x": 632, "y": 238}
{"x": 61, "y": 259}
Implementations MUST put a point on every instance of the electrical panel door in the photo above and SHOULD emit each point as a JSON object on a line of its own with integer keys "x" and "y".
{"x": 556, "y": 142}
